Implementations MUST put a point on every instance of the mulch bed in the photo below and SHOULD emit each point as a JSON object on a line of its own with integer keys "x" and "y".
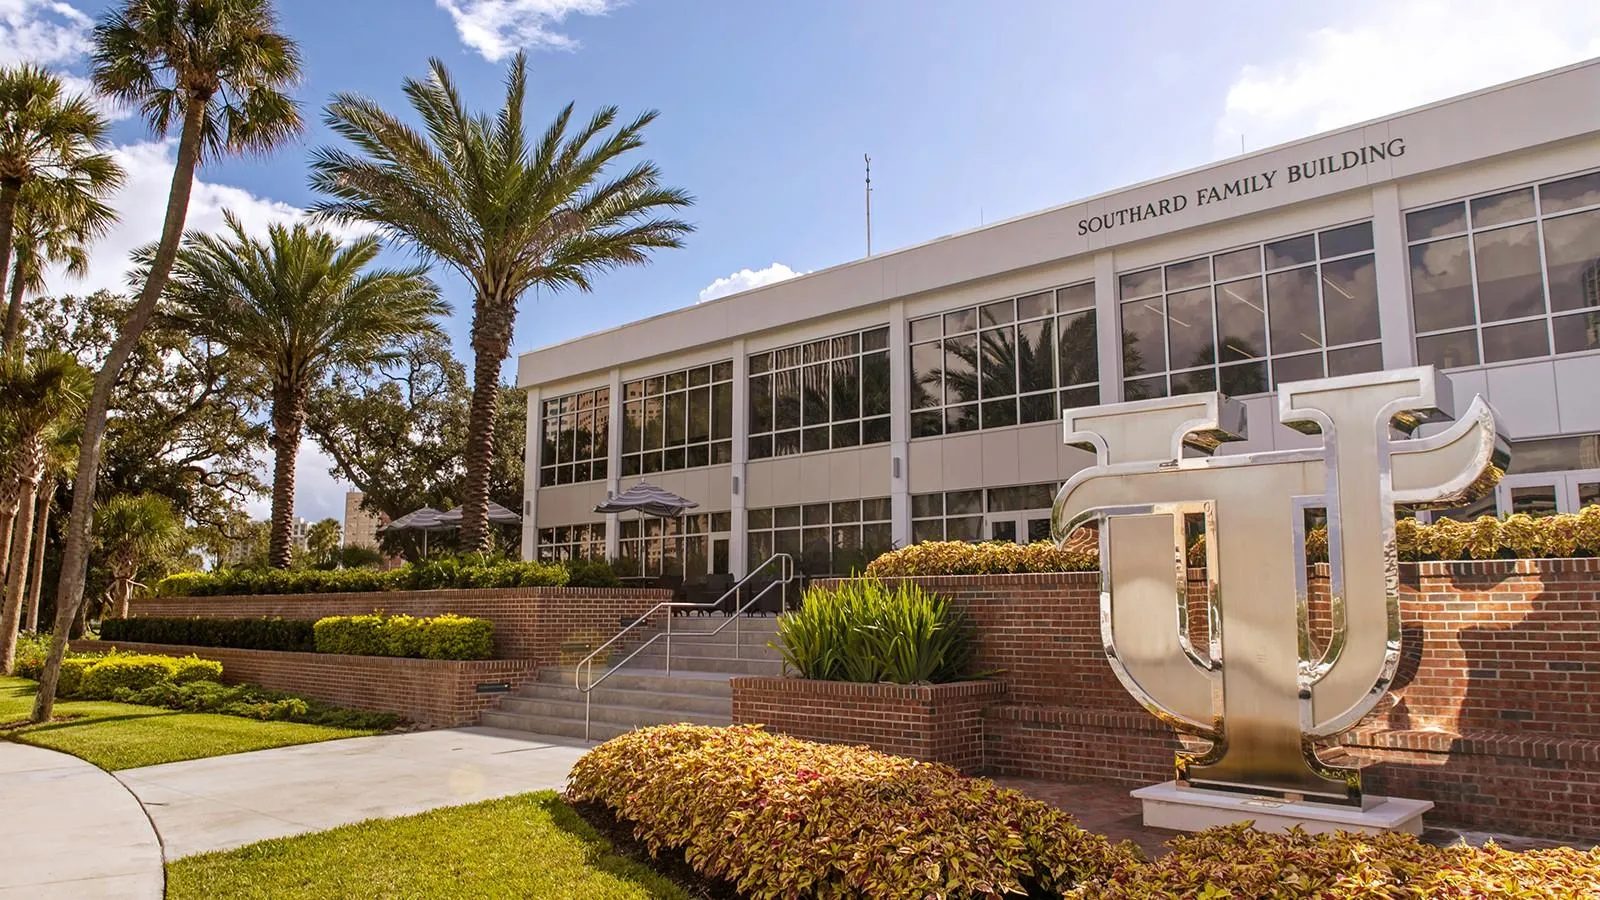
{"x": 669, "y": 862}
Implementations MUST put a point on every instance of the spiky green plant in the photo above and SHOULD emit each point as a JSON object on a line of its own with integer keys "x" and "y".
{"x": 866, "y": 631}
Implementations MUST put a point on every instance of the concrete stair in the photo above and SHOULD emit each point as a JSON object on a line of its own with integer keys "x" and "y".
{"x": 640, "y": 692}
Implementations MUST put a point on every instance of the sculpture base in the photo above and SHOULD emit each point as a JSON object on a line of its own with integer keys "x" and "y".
{"x": 1177, "y": 808}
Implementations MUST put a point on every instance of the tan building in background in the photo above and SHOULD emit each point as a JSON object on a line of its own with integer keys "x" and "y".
{"x": 360, "y": 526}
{"x": 917, "y": 394}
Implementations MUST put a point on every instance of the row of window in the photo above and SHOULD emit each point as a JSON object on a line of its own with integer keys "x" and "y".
{"x": 821, "y": 395}
{"x": 1009, "y": 362}
{"x": 1506, "y": 276}
{"x": 824, "y": 538}
{"x": 688, "y": 546}
{"x": 1018, "y": 513}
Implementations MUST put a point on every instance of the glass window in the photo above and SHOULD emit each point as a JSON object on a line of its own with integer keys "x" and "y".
{"x": 837, "y": 538}
{"x": 1143, "y": 343}
{"x": 1537, "y": 500}
{"x": 1189, "y": 329}
{"x": 1010, "y": 371}
{"x": 1350, "y": 300}
{"x": 1588, "y": 493}
{"x": 1528, "y": 264}
{"x": 1188, "y": 274}
{"x": 574, "y": 437}
{"x": 1344, "y": 241}
{"x": 1292, "y": 310}
{"x": 1237, "y": 263}
{"x": 1292, "y": 252}
{"x": 1140, "y": 284}
{"x": 1241, "y": 320}
{"x": 684, "y": 419}
{"x": 834, "y": 393}
{"x": 565, "y": 542}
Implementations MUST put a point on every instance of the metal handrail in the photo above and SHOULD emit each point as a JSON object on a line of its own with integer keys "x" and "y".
{"x": 786, "y": 576}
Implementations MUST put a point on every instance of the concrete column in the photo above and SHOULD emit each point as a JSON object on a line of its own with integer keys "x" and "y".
{"x": 1392, "y": 265}
{"x": 614, "y": 463}
{"x": 738, "y": 539}
{"x": 532, "y": 459}
{"x": 1108, "y": 327}
{"x": 899, "y": 425}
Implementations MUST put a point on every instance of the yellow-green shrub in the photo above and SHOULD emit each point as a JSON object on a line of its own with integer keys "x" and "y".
{"x": 104, "y": 676}
{"x": 780, "y": 817}
{"x": 993, "y": 558}
{"x": 445, "y": 636}
{"x": 1237, "y": 862}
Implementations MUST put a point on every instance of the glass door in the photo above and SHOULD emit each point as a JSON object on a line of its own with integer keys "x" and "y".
{"x": 1018, "y": 527}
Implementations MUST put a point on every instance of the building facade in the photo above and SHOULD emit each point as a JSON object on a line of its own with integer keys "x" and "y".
{"x": 360, "y": 526}
{"x": 917, "y": 394}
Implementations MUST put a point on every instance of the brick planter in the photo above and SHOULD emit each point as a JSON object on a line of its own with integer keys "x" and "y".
{"x": 529, "y": 623}
{"x": 933, "y": 722}
{"x": 426, "y": 691}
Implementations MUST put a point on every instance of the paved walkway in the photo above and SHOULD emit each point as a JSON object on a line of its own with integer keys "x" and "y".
{"x": 229, "y": 801}
{"x": 68, "y": 829}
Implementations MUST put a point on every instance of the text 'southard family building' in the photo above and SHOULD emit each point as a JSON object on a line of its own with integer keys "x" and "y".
{"x": 917, "y": 394}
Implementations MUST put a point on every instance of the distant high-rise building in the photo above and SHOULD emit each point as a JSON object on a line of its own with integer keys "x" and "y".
{"x": 360, "y": 526}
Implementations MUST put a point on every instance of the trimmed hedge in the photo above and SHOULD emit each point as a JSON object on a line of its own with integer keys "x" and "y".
{"x": 780, "y": 817}
{"x": 438, "y": 637}
{"x": 1517, "y": 536}
{"x": 294, "y": 635}
{"x": 430, "y": 574}
{"x": 99, "y": 678}
{"x": 866, "y": 632}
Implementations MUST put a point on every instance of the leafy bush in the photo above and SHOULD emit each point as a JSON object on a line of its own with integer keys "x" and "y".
{"x": 253, "y": 702}
{"x": 32, "y": 649}
{"x": 475, "y": 571}
{"x": 248, "y": 634}
{"x": 591, "y": 573}
{"x": 440, "y": 637}
{"x": 865, "y": 631}
{"x": 103, "y": 677}
{"x": 780, "y": 817}
{"x": 994, "y": 558}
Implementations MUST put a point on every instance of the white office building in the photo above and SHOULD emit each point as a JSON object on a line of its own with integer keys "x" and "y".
{"x": 917, "y": 394}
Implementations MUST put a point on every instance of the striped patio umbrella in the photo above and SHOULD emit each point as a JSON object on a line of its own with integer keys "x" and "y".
{"x": 425, "y": 520}
{"x": 498, "y": 514}
{"x": 647, "y": 500}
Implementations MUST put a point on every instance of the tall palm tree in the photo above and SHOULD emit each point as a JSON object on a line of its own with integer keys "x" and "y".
{"x": 50, "y": 139}
{"x": 298, "y": 307}
{"x": 53, "y": 226}
{"x": 61, "y": 456}
{"x": 41, "y": 392}
{"x": 218, "y": 70}
{"x": 131, "y": 531}
{"x": 473, "y": 192}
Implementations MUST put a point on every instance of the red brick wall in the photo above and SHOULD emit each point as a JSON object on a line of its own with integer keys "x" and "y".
{"x": 529, "y": 623}
{"x": 933, "y": 722}
{"x": 426, "y": 691}
{"x": 1492, "y": 716}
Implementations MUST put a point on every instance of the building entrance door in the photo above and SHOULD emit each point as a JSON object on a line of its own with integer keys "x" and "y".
{"x": 1541, "y": 494}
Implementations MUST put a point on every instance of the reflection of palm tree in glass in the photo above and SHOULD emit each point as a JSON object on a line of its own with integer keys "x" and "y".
{"x": 1003, "y": 356}
{"x": 1080, "y": 355}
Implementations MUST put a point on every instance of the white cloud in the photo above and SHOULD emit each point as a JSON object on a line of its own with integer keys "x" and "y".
{"x": 747, "y": 279}
{"x": 498, "y": 28}
{"x": 317, "y": 494}
{"x": 1399, "y": 55}
{"x": 41, "y": 31}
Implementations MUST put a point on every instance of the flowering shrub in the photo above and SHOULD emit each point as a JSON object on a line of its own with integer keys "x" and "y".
{"x": 780, "y": 817}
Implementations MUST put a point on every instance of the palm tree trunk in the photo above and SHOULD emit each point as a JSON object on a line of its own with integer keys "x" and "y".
{"x": 9, "y": 188}
{"x": 491, "y": 342}
{"x": 288, "y": 419}
{"x": 75, "y": 554}
{"x": 16, "y": 574}
{"x": 14, "y": 308}
{"x": 41, "y": 528}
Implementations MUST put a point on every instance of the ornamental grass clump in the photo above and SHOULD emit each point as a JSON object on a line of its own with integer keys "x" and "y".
{"x": 780, "y": 817}
{"x": 865, "y": 631}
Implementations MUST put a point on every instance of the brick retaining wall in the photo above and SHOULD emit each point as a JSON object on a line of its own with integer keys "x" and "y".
{"x": 1493, "y": 715}
{"x": 529, "y": 623}
{"x": 425, "y": 691}
{"x": 933, "y": 722}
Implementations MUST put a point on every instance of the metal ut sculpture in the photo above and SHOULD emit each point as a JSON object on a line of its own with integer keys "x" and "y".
{"x": 1250, "y": 678}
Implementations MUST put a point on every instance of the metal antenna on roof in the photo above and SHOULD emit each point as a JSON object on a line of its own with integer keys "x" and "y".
{"x": 869, "y": 202}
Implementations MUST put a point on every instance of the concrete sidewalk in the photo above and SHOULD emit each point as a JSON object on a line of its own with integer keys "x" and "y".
{"x": 229, "y": 801}
{"x": 69, "y": 829}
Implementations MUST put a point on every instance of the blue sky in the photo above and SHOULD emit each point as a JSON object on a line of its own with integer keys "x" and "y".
{"x": 972, "y": 112}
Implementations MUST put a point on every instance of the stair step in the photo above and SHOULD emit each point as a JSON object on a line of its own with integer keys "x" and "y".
{"x": 572, "y": 728}
{"x": 729, "y": 665}
{"x": 643, "y": 678}
{"x": 605, "y": 712}
{"x": 608, "y": 696}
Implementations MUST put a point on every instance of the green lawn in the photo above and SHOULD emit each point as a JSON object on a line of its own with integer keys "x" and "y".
{"x": 123, "y": 736}
{"x": 531, "y": 845}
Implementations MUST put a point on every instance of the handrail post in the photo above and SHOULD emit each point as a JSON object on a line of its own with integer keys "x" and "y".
{"x": 669, "y": 641}
{"x": 738, "y": 638}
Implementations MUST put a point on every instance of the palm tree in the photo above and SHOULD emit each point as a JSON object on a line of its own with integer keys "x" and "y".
{"x": 471, "y": 191}
{"x": 131, "y": 531}
{"x": 61, "y": 456}
{"x": 53, "y": 226}
{"x": 217, "y": 69}
{"x": 40, "y": 393}
{"x": 48, "y": 139}
{"x": 298, "y": 307}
